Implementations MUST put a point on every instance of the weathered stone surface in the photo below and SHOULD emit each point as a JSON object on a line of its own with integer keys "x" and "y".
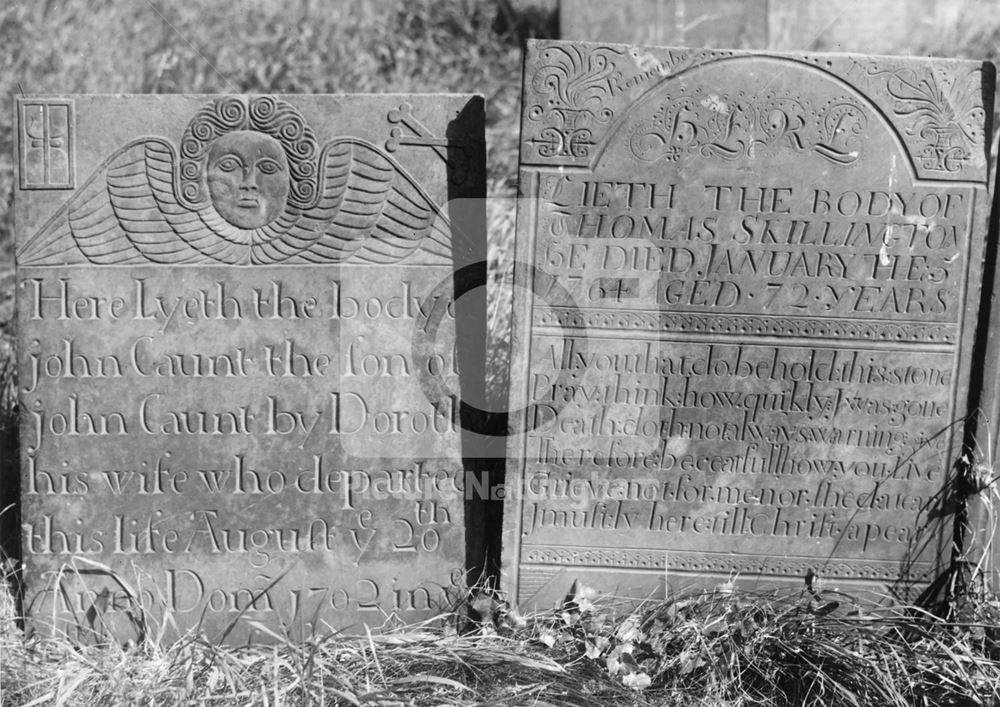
{"x": 740, "y": 24}
{"x": 746, "y": 292}
{"x": 224, "y": 347}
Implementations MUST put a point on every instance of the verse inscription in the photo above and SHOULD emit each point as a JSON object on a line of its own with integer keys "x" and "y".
{"x": 745, "y": 349}
{"x": 246, "y": 438}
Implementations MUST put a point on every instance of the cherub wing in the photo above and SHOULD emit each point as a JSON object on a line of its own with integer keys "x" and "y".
{"x": 128, "y": 213}
{"x": 370, "y": 210}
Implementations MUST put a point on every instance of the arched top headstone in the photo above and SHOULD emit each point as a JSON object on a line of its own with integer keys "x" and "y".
{"x": 752, "y": 356}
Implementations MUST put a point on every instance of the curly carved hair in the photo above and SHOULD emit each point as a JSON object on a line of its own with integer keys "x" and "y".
{"x": 263, "y": 114}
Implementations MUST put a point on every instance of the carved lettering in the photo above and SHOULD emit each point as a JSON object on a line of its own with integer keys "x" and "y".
{"x": 766, "y": 267}
{"x": 226, "y": 385}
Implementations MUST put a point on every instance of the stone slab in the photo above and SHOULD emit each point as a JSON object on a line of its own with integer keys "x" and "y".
{"x": 229, "y": 311}
{"x": 740, "y": 24}
{"x": 746, "y": 290}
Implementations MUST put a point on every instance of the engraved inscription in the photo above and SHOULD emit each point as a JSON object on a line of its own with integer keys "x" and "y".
{"x": 242, "y": 449}
{"x": 848, "y": 254}
{"x": 151, "y": 352}
{"x": 761, "y": 364}
{"x": 120, "y": 382}
{"x": 750, "y": 124}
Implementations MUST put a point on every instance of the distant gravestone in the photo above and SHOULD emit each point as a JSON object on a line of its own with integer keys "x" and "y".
{"x": 746, "y": 289}
{"x": 884, "y": 26}
{"x": 859, "y": 25}
{"x": 223, "y": 309}
{"x": 740, "y": 24}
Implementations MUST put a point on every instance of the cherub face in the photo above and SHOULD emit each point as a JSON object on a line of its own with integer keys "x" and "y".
{"x": 248, "y": 178}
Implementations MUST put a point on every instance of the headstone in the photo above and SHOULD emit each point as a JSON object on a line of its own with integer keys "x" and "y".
{"x": 740, "y": 24}
{"x": 746, "y": 288}
{"x": 897, "y": 26}
{"x": 886, "y": 26}
{"x": 229, "y": 310}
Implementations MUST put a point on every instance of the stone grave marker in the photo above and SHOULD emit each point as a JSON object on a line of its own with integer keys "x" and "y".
{"x": 746, "y": 289}
{"x": 719, "y": 23}
{"x": 222, "y": 311}
{"x": 860, "y": 25}
{"x": 898, "y": 26}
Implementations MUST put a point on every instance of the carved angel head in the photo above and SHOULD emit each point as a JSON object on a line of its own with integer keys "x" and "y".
{"x": 251, "y": 157}
{"x": 247, "y": 175}
{"x": 250, "y": 186}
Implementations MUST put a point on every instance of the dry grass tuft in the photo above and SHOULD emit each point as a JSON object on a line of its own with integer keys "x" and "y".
{"x": 724, "y": 647}
{"x": 429, "y": 663}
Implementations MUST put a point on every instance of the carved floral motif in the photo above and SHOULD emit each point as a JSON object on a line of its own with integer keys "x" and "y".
{"x": 944, "y": 112}
{"x": 575, "y": 87}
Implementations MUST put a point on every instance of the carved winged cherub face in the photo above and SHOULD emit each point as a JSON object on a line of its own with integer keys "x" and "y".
{"x": 248, "y": 178}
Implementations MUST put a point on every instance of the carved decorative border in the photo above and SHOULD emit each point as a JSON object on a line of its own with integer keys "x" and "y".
{"x": 746, "y": 324}
{"x": 679, "y": 561}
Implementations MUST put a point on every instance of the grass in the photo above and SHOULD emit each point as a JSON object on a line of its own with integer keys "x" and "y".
{"x": 722, "y": 649}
